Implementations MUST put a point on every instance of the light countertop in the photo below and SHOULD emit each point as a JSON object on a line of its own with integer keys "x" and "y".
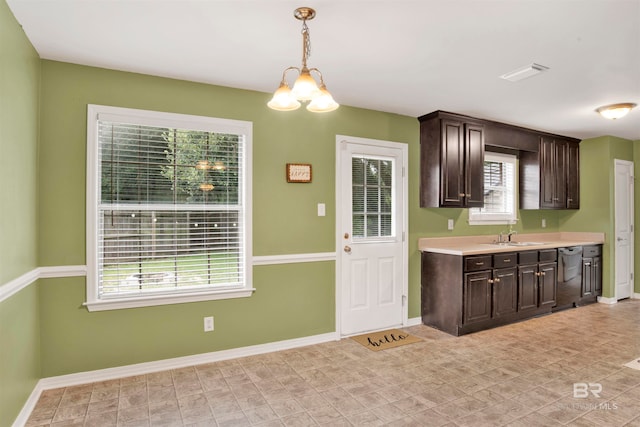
{"x": 473, "y": 245}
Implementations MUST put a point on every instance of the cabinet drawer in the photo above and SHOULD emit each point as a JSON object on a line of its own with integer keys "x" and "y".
{"x": 527, "y": 257}
{"x": 591, "y": 251}
{"x": 548, "y": 255}
{"x": 475, "y": 263}
{"x": 505, "y": 260}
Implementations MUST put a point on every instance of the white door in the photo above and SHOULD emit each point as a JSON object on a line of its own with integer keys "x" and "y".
{"x": 371, "y": 192}
{"x": 624, "y": 212}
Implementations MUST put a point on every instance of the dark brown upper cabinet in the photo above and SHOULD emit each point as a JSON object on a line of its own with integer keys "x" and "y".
{"x": 452, "y": 150}
{"x": 550, "y": 178}
{"x": 451, "y": 161}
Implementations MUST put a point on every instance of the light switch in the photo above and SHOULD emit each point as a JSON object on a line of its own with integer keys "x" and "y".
{"x": 449, "y": 224}
{"x": 544, "y": 223}
{"x": 321, "y": 209}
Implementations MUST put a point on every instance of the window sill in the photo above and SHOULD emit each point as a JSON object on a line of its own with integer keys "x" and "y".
{"x": 155, "y": 300}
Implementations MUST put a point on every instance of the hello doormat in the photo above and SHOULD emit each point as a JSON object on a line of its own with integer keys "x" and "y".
{"x": 377, "y": 341}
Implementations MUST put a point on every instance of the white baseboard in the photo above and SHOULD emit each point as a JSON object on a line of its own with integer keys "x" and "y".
{"x": 414, "y": 321}
{"x": 635, "y": 295}
{"x": 162, "y": 365}
{"x": 605, "y": 300}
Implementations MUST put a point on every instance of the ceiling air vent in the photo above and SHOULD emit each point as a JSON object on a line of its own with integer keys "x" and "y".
{"x": 524, "y": 72}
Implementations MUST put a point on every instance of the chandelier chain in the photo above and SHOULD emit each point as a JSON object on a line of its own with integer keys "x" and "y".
{"x": 306, "y": 41}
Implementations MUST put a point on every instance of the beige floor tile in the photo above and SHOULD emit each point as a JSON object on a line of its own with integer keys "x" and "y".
{"x": 519, "y": 375}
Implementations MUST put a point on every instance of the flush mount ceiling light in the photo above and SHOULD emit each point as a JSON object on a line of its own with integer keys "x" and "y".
{"x": 615, "y": 111}
{"x": 524, "y": 72}
{"x": 305, "y": 87}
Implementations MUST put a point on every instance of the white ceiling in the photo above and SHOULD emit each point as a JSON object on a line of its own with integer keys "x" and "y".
{"x": 400, "y": 56}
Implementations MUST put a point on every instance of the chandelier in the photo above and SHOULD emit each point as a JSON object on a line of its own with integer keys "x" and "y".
{"x": 305, "y": 87}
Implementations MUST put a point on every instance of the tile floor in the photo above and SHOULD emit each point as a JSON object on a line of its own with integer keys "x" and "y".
{"x": 516, "y": 375}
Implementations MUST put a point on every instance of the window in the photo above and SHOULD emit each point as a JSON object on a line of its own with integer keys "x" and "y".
{"x": 372, "y": 197}
{"x": 500, "y": 175}
{"x": 168, "y": 208}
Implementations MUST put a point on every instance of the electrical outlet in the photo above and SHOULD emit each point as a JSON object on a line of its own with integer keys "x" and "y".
{"x": 208, "y": 324}
{"x": 544, "y": 223}
{"x": 321, "y": 209}
{"x": 449, "y": 224}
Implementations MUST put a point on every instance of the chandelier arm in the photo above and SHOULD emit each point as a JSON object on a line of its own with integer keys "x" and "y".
{"x": 284, "y": 73}
{"x": 319, "y": 74}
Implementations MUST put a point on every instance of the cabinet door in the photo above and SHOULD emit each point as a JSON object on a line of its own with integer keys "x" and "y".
{"x": 505, "y": 291}
{"x": 573, "y": 175}
{"x": 452, "y": 191}
{"x": 477, "y": 296}
{"x": 547, "y": 173}
{"x": 588, "y": 285}
{"x": 474, "y": 166}
{"x": 527, "y": 287}
{"x": 548, "y": 283}
{"x": 560, "y": 174}
{"x": 597, "y": 275}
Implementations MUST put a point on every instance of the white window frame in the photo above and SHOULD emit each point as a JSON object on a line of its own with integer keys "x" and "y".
{"x": 161, "y": 119}
{"x": 477, "y": 217}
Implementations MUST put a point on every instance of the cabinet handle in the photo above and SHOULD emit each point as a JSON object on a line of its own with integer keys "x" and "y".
{"x": 479, "y": 263}
{"x": 490, "y": 281}
{"x": 569, "y": 200}
{"x": 496, "y": 280}
{"x": 587, "y": 264}
{"x": 538, "y": 273}
{"x": 542, "y": 273}
{"x": 506, "y": 260}
{"x": 461, "y": 194}
{"x": 468, "y": 195}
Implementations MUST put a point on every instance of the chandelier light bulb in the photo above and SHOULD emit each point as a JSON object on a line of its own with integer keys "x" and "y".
{"x": 305, "y": 88}
{"x": 323, "y": 103}
{"x": 283, "y": 99}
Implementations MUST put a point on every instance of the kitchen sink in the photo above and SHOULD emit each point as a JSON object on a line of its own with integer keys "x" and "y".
{"x": 525, "y": 243}
{"x": 518, "y": 243}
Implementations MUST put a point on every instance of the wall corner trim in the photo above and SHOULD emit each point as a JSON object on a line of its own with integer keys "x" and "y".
{"x": 162, "y": 365}
{"x": 21, "y": 282}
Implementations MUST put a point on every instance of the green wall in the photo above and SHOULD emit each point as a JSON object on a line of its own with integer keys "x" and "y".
{"x": 19, "y": 324}
{"x": 291, "y": 301}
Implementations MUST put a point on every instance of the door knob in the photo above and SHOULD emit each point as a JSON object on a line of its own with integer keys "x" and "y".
{"x": 619, "y": 239}
{"x": 347, "y": 249}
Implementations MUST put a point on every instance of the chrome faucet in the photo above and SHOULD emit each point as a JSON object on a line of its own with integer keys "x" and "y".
{"x": 507, "y": 234}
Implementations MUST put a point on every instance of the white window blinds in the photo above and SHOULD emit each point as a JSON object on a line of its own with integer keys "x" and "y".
{"x": 500, "y": 171}
{"x": 171, "y": 211}
{"x": 372, "y": 197}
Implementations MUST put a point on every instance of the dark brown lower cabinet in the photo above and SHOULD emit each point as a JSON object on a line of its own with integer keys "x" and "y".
{"x": 591, "y": 277}
{"x": 527, "y": 287}
{"x": 463, "y": 294}
{"x": 548, "y": 282}
{"x": 477, "y": 296}
{"x": 505, "y": 292}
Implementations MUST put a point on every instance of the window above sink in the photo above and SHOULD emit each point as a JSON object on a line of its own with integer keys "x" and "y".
{"x": 500, "y": 191}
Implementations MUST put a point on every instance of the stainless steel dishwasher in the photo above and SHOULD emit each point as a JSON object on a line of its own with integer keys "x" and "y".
{"x": 569, "y": 289}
